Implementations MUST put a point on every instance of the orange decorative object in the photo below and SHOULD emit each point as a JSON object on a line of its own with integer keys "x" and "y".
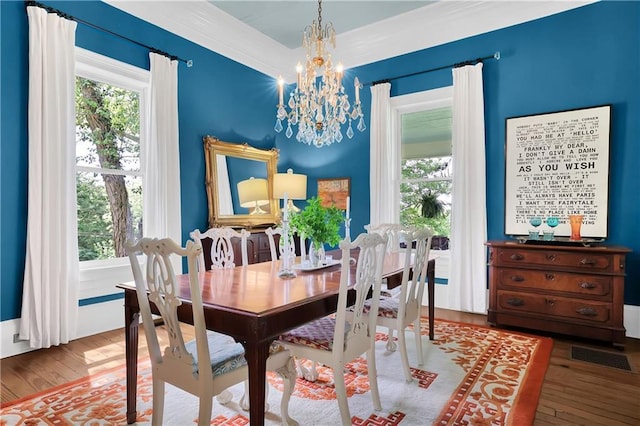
{"x": 575, "y": 220}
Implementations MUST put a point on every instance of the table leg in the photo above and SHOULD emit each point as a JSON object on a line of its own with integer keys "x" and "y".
{"x": 131, "y": 322}
{"x": 256, "y": 355}
{"x": 431, "y": 281}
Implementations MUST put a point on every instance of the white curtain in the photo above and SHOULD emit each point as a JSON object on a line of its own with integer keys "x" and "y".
{"x": 224, "y": 187}
{"x": 161, "y": 157}
{"x": 49, "y": 299}
{"x": 384, "y": 174}
{"x": 467, "y": 282}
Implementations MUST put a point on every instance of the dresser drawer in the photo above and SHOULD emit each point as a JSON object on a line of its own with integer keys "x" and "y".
{"x": 575, "y": 309}
{"x": 549, "y": 258}
{"x": 599, "y": 286}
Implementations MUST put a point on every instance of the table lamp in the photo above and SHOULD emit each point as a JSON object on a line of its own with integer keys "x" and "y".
{"x": 293, "y": 185}
{"x": 253, "y": 193}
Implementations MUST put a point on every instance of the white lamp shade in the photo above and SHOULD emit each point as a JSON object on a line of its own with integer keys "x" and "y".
{"x": 292, "y": 184}
{"x": 253, "y": 192}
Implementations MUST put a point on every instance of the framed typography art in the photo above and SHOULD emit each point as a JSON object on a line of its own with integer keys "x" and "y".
{"x": 557, "y": 167}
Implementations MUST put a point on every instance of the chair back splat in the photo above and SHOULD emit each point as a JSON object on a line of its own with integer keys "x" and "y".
{"x": 277, "y": 252}
{"x": 393, "y": 232}
{"x": 218, "y": 245}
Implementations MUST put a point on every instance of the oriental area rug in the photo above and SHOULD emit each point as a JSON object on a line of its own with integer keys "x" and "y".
{"x": 472, "y": 375}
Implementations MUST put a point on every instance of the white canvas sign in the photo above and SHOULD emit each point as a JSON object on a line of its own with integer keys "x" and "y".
{"x": 557, "y": 164}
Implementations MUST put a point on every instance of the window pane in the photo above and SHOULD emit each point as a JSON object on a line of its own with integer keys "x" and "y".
{"x": 107, "y": 138}
{"x": 424, "y": 202}
{"x": 107, "y": 126}
{"x": 109, "y": 213}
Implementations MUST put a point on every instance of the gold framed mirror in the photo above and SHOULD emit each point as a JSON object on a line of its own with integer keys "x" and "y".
{"x": 239, "y": 181}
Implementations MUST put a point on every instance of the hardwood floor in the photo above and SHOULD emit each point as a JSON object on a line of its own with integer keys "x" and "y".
{"x": 573, "y": 393}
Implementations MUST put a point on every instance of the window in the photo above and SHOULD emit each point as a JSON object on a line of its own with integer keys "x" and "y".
{"x": 426, "y": 169}
{"x": 110, "y": 119}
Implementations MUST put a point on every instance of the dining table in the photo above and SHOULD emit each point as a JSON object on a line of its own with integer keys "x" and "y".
{"x": 254, "y": 305}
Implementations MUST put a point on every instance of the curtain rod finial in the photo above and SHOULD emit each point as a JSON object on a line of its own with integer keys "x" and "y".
{"x": 189, "y": 63}
{"x": 497, "y": 55}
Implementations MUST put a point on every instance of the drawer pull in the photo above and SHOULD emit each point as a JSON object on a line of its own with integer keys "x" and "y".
{"x": 517, "y": 278}
{"x": 550, "y": 277}
{"x": 587, "y": 262}
{"x": 517, "y": 256}
{"x": 515, "y": 301}
{"x": 587, "y": 286}
{"x": 550, "y": 302}
{"x": 551, "y": 257}
{"x": 587, "y": 312}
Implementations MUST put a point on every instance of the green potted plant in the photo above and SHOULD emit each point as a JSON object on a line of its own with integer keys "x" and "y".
{"x": 320, "y": 224}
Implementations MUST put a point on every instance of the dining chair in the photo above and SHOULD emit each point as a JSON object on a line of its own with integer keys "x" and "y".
{"x": 397, "y": 313}
{"x": 220, "y": 253}
{"x": 181, "y": 363}
{"x": 276, "y": 253}
{"x": 338, "y": 339}
{"x": 392, "y": 231}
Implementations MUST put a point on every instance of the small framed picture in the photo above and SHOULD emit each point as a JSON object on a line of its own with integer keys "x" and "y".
{"x": 334, "y": 192}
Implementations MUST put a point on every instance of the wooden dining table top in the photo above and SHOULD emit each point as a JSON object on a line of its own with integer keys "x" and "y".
{"x": 257, "y": 289}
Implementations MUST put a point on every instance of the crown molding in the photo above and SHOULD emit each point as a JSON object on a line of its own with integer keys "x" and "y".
{"x": 439, "y": 23}
{"x": 432, "y": 25}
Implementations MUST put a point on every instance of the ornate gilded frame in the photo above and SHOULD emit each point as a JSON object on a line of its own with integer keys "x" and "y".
{"x": 214, "y": 146}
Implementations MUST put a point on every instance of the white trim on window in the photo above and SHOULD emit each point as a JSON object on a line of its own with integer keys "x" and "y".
{"x": 94, "y": 66}
{"x": 98, "y": 277}
{"x": 414, "y": 102}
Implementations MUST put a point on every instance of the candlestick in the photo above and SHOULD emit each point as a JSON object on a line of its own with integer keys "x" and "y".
{"x": 348, "y": 206}
{"x": 339, "y": 71}
{"x": 280, "y": 91}
{"x": 357, "y": 85}
{"x": 347, "y": 221}
{"x": 285, "y": 253}
{"x": 299, "y": 71}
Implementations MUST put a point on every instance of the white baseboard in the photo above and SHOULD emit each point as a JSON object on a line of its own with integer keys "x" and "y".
{"x": 92, "y": 319}
{"x": 632, "y": 321}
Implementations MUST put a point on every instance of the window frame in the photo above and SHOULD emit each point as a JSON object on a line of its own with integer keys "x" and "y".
{"x": 414, "y": 102}
{"x": 104, "y": 69}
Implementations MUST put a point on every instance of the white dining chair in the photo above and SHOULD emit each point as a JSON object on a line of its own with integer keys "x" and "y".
{"x": 392, "y": 231}
{"x": 338, "y": 339}
{"x": 397, "y": 313}
{"x": 275, "y": 252}
{"x": 178, "y": 362}
{"x": 220, "y": 253}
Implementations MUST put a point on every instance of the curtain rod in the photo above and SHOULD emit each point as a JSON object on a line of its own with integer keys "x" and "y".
{"x": 495, "y": 56}
{"x": 49, "y": 9}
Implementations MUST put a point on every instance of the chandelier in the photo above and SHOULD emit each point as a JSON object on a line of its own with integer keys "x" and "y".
{"x": 319, "y": 106}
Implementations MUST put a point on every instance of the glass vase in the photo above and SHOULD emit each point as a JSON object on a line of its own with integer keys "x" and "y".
{"x": 316, "y": 255}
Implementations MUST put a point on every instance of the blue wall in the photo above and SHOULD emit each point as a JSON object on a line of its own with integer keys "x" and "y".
{"x": 584, "y": 57}
{"x": 210, "y": 103}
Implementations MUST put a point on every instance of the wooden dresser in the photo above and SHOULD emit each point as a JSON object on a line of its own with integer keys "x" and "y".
{"x": 571, "y": 290}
